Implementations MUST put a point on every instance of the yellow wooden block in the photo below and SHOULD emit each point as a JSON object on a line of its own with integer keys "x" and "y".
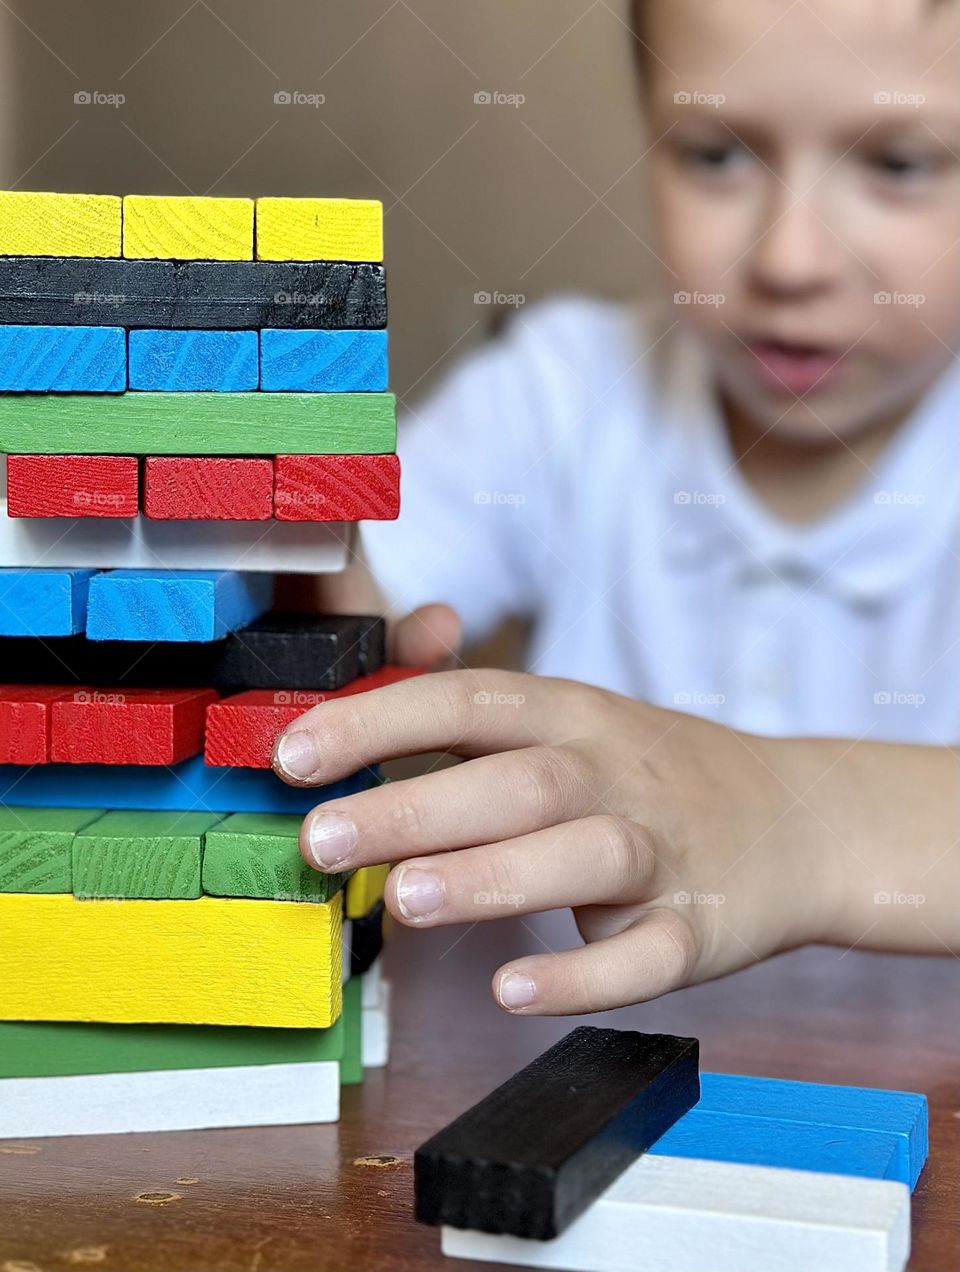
{"x": 59, "y": 224}
{"x": 184, "y": 228}
{"x": 319, "y": 230}
{"x": 365, "y": 889}
{"x": 215, "y": 961}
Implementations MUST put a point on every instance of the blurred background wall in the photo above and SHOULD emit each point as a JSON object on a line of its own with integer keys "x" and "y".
{"x": 503, "y": 136}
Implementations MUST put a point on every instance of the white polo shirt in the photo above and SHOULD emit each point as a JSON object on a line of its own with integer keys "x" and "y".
{"x": 577, "y": 471}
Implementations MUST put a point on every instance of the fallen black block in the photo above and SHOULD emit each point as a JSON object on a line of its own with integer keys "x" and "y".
{"x": 539, "y": 1149}
{"x": 301, "y": 651}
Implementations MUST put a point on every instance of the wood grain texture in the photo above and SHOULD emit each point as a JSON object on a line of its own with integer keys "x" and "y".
{"x": 242, "y": 731}
{"x": 41, "y": 224}
{"x": 258, "y": 855}
{"x": 192, "y": 294}
{"x": 319, "y": 229}
{"x": 174, "y": 605}
{"x": 63, "y": 359}
{"x": 167, "y": 361}
{"x": 534, "y": 1154}
{"x": 690, "y": 1216}
{"x": 364, "y": 889}
{"x": 43, "y": 602}
{"x": 201, "y": 487}
{"x": 147, "y": 855}
{"x": 190, "y": 785}
{"x": 145, "y": 726}
{"x": 205, "y": 962}
{"x": 320, "y": 361}
{"x": 284, "y": 651}
{"x": 170, "y": 1100}
{"x": 321, "y": 1199}
{"x": 49, "y": 1049}
{"x": 187, "y": 227}
{"x": 199, "y": 423}
{"x": 337, "y": 488}
{"x": 72, "y": 485}
{"x": 35, "y": 847}
{"x": 351, "y": 1062}
{"x": 25, "y": 721}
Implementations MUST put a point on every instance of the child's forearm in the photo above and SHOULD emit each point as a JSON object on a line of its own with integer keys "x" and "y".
{"x": 889, "y": 817}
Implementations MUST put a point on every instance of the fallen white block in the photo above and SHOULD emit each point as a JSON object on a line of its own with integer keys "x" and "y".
{"x": 671, "y": 1214}
{"x": 170, "y": 1100}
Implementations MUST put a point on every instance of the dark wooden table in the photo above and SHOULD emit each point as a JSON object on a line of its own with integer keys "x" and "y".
{"x": 308, "y": 1199}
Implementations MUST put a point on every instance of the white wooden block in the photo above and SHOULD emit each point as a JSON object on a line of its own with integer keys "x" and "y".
{"x": 376, "y": 1031}
{"x": 372, "y": 982}
{"x": 671, "y": 1214}
{"x": 170, "y": 1100}
{"x": 139, "y": 543}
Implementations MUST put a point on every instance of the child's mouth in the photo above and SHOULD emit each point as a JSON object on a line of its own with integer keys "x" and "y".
{"x": 798, "y": 368}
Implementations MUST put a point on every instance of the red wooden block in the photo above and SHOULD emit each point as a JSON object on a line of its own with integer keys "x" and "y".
{"x": 129, "y": 726}
{"x": 25, "y": 722}
{"x": 186, "y": 488}
{"x": 73, "y": 485}
{"x": 242, "y": 731}
{"x": 337, "y": 488}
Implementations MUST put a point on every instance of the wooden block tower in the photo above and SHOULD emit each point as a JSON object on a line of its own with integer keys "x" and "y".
{"x": 194, "y": 396}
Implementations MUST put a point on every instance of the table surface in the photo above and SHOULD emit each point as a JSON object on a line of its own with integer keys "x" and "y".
{"x": 307, "y": 1199}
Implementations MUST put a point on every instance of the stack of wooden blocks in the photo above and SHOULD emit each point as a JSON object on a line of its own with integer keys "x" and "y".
{"x": 168, "y": 960}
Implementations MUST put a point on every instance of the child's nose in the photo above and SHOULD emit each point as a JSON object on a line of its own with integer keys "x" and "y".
{"x": 797, "y": 251}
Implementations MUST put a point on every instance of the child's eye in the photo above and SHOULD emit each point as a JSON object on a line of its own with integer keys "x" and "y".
{"x": 719, "y": 157}
{"x": 902, "y": 168}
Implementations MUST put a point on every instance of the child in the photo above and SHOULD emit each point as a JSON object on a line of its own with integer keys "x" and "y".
{"x": 747, "y": 509}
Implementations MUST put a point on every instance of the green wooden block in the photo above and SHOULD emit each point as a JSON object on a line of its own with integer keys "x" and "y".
{"x": 258, "y": 855}
{"x": 351, "y": 1062}
{"x": 36, "y": 846}
{"x": 46, "y": 1049}
{"x": 198, "y": 423}
{"x": 151, "y": 855}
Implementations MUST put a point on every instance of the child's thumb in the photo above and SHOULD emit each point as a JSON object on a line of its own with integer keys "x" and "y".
{"x": 429, "y": 637}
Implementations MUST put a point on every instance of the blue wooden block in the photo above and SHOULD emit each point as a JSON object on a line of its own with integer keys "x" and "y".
{"x": 43, "y": 603}
{"x": 194, "y": 361}
{"x": 190, "y": 786}
{"x": 63, "y": 359}
{"x": 316, "y": 361}
{"x": 803, "y": 1126}
{"x": 174, "y": 605}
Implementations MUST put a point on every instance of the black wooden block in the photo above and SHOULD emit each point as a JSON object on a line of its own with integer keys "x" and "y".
{"x": 366, "y": 940}
{"x": 540, "y": 1148}
{"x": 300, "y": 651}
{"x": 107, "y": 664}
{"x": 191, "y": 294}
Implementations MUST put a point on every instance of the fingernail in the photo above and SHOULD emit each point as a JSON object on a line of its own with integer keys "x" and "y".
{"x": 331, "y": 838}
{"x": 419, "y": 893}
{"x": 297, "y": 755}
{"x": 516, "y": 990}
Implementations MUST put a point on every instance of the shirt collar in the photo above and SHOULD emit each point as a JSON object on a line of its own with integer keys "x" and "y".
{"x": 886, "y": 538}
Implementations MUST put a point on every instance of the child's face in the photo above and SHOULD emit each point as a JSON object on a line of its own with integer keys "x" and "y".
{"x": 809, "y": 174}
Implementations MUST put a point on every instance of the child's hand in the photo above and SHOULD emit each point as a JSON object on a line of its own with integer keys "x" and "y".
{"x": 682, "y": 853}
